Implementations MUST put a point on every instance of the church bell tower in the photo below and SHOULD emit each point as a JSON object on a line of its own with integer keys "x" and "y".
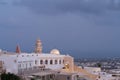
{"x": 38, "y": 46}
{"x": 18, "y": 49}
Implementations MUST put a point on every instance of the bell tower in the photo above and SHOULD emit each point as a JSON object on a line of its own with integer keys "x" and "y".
{"x": 38, "y": 46}
{"x": 18, "y": 49}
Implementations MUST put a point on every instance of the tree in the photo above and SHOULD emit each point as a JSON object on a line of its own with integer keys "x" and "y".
{"x": 99, "y": 64}
{"x": 9, "y": 76}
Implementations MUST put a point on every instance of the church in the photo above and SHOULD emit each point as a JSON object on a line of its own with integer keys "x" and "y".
{"x": 19, "y": 63}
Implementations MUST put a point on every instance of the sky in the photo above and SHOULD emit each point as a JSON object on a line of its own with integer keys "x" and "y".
{"x": 80, "y": 28}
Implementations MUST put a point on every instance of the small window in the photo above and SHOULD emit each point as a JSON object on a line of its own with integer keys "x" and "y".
{"x": 51, "y": 61}
{"x": 22, "y": 55}
{"x": 30, "y": 64}
{"x": 68, "y": 78}
{"x": 63, "y": 61}
{"x": 55, "y": 61}
{"x": 41, "y": 61}
{"x": 46, "y": 61}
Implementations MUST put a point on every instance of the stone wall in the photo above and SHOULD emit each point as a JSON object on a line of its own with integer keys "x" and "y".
{"x": 68, "y": 64}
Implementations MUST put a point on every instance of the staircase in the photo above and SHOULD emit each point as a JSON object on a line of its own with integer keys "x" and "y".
{"x": 87, "y": 74}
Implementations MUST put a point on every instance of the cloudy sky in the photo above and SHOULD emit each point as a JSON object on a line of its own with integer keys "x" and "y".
{"x": 81, "y": 28}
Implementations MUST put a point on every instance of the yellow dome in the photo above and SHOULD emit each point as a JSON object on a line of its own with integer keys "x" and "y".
{"x": 55, "y": 51}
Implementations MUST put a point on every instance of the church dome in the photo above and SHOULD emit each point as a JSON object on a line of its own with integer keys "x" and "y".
{"x": 55, "y": 51}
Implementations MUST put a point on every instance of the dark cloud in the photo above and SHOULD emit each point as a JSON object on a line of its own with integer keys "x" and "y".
{"x": 72, "y": 6}
{"x": 80, "y": 27}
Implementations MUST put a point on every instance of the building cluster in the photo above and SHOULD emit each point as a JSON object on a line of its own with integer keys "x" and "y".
{"x": 106, "y": 63}
{"x": 106, "y": 69}
{"x": 47, "y": 66}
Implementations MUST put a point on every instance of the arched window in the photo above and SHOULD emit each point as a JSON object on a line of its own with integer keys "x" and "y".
{"x": 59, "y": 61}
{"x": 41, "y": 61}
{"x": 46, "y": 61}
{"x": 51, "y": 61}
{"x": 55, "y": 61}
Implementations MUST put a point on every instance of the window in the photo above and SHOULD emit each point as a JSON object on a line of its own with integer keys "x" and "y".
{"x": 46, "y": 61}
{"x": 35, "y": 61}
{"x": 63, "y": 61}
{"x": 41, "y": 61}
{"x": 68, "y": 78}
{"x": 51, "y": 62}
{"x": 30, "y": 64}
{"x": 59, "y": 61}
{"x": 19, "y": 65}
{"x": 55, "y": 61}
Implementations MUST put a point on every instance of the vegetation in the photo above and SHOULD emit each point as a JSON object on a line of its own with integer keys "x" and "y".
{"x": 32, "y": 79}
{"x": 99, "y": 64}
{"x": 9, "y": 76}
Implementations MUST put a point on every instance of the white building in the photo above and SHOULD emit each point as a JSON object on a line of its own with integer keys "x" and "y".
{"x": 13, "y": 62}
{"x": 18, "y": 61}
